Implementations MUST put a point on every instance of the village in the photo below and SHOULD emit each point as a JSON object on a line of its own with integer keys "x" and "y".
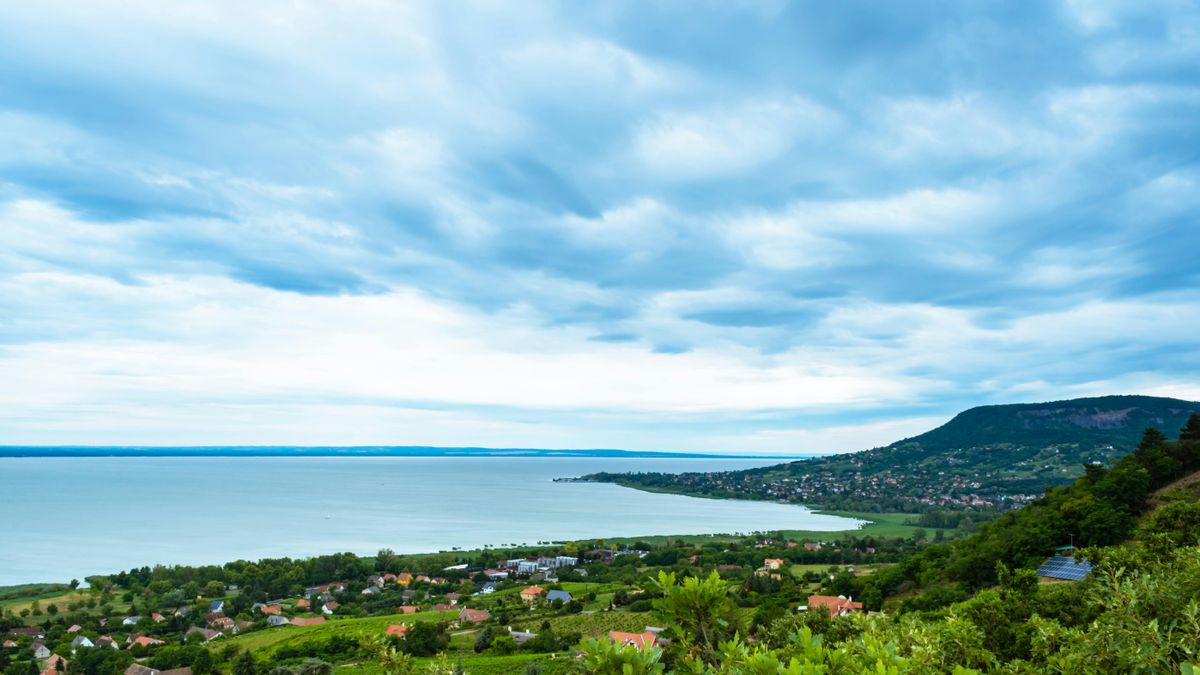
{"x": 513, "y": 608}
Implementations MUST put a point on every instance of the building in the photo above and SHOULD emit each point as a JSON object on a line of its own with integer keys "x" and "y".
{"x": 80, "y": 641}
{"x": 641, "y": 641}
{"x": 532, "y": 594}
{"x": 276, "y": 620}
{"x": 773, "y": 563}
{"x": 473, "y": 615}
{"x": 562, "y": 596}
{"x": 836, "y": 606}
{"x": 398, "y": 630}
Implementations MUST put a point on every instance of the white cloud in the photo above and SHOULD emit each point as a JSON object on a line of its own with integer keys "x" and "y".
{"x": 726, "y": 141}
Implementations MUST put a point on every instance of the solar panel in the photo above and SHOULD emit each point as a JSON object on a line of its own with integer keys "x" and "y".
{"x": 1065, "y": 567}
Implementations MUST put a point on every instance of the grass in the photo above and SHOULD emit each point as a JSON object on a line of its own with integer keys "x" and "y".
{"x": 877, "y": 525}
{"x": 371, "y": 626}
{"x": 480, "y": 664}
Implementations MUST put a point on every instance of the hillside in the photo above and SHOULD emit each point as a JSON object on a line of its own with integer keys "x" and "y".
{"x": 990, "y": 457}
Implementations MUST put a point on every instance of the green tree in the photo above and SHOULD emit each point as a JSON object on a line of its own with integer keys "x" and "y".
{"x": 244, "y": 664}
{"x": 702, "y": 611}
{"x": 202, "y": 664}
{"x": 607, "y": 658}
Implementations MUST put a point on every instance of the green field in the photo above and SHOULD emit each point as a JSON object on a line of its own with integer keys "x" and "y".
{"x": 878, "y": 525}
{"x": 371, "y": 626}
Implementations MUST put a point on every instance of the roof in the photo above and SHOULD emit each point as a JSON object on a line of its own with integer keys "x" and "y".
{"x": 1065, "y": 568}
{"x": 396, "y": 629}
{"x": 145, "y": 641}
{"x": 408, "y": 609}
{"x": 558, "y": 595}
{"x": 639, "y": 640}
{"x": 837, "y": 605}
{"x": 308, "y": 622}
{"x": 533, "y": 590}
{"x": 271, "y": 609}
{"x": 474, "y": 615}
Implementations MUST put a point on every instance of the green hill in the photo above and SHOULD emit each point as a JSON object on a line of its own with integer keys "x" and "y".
{"x": 988, "y": 458}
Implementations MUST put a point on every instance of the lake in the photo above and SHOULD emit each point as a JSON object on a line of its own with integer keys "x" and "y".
{"x": 63, "y": 518}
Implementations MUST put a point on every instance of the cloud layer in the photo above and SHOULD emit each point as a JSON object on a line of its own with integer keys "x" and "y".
{"x": 766, "y": 228}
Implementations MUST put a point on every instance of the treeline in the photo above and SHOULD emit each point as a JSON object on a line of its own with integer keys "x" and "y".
{"x": 1099, "y": 509}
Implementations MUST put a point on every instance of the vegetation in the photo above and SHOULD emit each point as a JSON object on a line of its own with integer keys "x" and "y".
{"x": 729, "y": 606}
{"x": 991, "y": 458}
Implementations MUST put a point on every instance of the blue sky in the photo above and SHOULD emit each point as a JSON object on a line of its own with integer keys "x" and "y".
{"x": 752, "y": 227}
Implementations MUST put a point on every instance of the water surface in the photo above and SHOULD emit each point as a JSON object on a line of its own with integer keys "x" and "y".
{"x": 63, "y": 518}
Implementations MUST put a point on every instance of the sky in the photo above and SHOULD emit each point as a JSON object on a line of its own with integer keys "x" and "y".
{"x": 756, "y": 227}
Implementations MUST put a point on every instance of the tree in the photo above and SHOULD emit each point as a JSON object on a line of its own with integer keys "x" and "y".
{"x": 702, "y": 611}
{"x": 203, "y": 663}
{"x": 244, "y": 665}
{"x": 74, "y": 584}
{"x": 485, "y": 639}
{"x": 1191, "y": 430}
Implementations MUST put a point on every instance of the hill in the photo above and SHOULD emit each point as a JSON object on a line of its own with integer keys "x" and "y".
{"x": 988, "y": 458}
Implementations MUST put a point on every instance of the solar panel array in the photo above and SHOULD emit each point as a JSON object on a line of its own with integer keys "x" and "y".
{"x": 1064, "y": 567}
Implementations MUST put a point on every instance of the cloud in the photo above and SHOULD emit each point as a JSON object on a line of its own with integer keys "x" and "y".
{"x": 730, "y": 227}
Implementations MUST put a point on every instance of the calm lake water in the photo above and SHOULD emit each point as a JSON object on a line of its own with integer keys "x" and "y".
{"x": 63, "y": 518}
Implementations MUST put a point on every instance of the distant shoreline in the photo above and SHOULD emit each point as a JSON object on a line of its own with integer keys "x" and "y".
{"x": 12, "y": 451}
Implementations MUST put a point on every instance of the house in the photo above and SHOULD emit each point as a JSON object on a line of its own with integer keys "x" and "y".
{"x": 106, "y": 641}
{"x": 812, "y": 546}
{"x": 495, "y": 574}
{"x": 1063, "y": 568}
{"x": 641, "y": 641}
{"x": 216, "y": 606}
{"x": 408, "y": 609}
{"x": 308, "y": 622}
{"x": 276, "y": 620}
{"x": 271, "y": 609}
{"x": 40, "y": 651}
{"x": 183, "y": 611}
{"x": 223, "y": 623}
{"x": 389, "y": 577}
{"x": 404, "y": 578}
{"x": 773, "y": 563}
{"x": 52, "y": 665}
{"x": 303, "y": 603}
{"x": 130, "y": 620}
{"x": 206, "y": 634}
{"x": 329, "y": 607}
{"x": 144, "y": 641}
{"x": 564, "y": 596}
{"x": 8, "y": 644}
{"x": 35, "y": 633}
{"x": 836, "y": 606}
{"x": 442, "y": 607}
{"x": 396, "y": 629}
{"x": 473, "y": 615}
{"x": 453, "y": 598}
{"x": 488, "y": 588}
{"x": 371, "y": 590}
{"x": 75, "y": 628}
{"x": 422, "y": 577}
{"x": 520, "y": 636}
{"x": 81, "y": 641}
{"x": 532, "y": 594}
{"x": 158, "y": 618}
